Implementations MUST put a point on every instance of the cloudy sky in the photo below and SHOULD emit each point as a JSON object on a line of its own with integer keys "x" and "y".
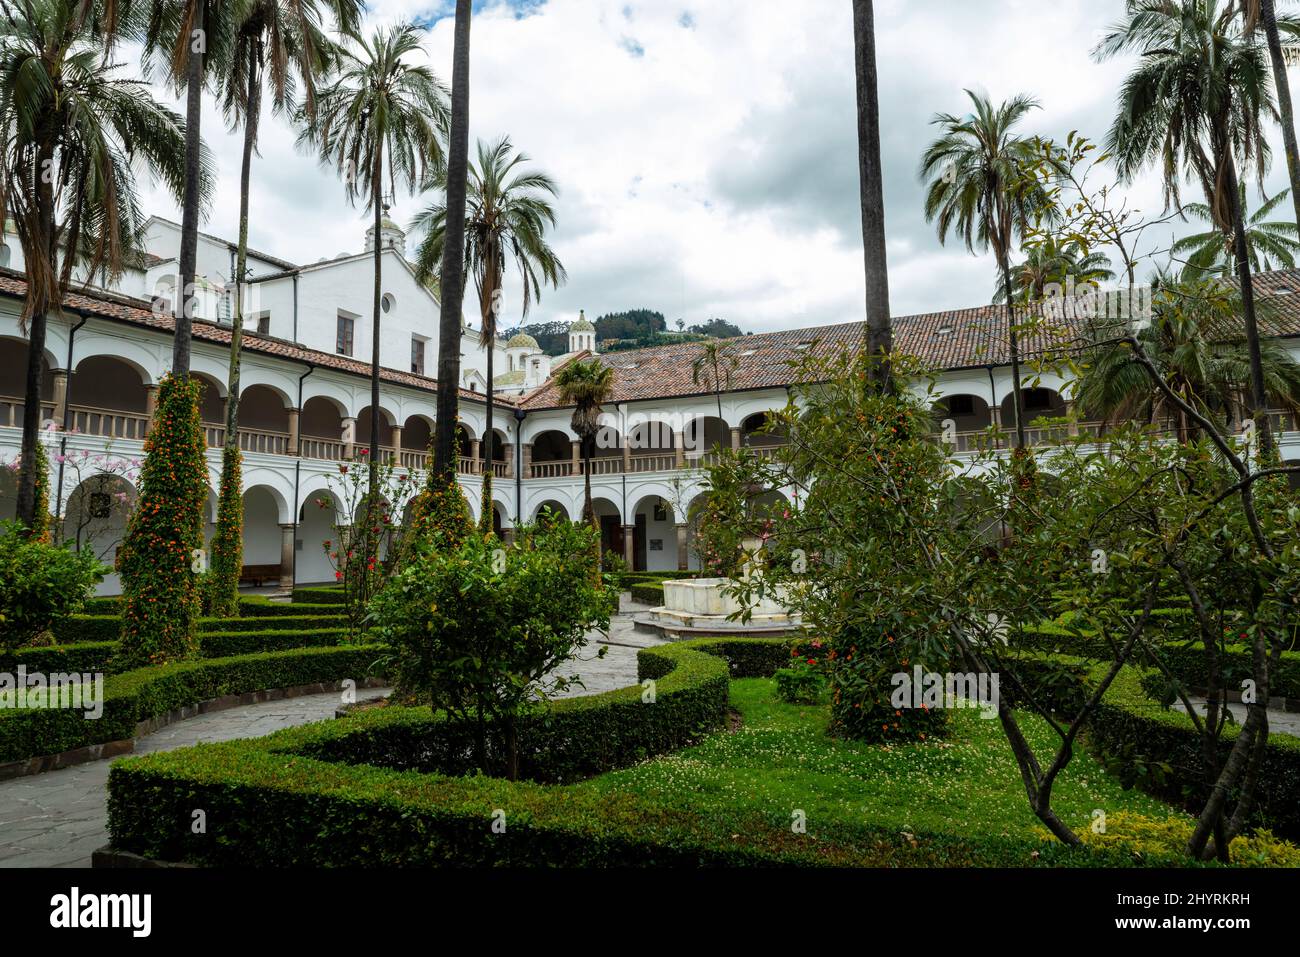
{"x": 706, "y": 149}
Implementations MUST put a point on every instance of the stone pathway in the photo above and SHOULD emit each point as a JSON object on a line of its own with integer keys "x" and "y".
{"x": 57, "y": 819}
{"x": 1279, "y": 722}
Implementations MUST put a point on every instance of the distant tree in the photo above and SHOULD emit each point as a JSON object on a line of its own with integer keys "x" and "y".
{"x": 718, "y": 329}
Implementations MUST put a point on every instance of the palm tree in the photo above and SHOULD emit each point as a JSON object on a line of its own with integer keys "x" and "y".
{"x": 75, "y": 134}
{"x": 508, "y": 213}
{"x": 192, "y": 39}
{"x": 714, "y": 365}
{"x": 382, "y": 118}
{"x": 1256, "y": 12}
{"x": 975, "y": 175}
{"x": 588, "y": 384}
{"x": 1053, "y": 262}
{"x": 1196, "y": 103}
{"x": 452, "y": 273}
{"x": 279, "y": 45}
{"x": 871, "y": 195}
{"x": 1270, "y": 244}
{"x": 1195, "y": 341}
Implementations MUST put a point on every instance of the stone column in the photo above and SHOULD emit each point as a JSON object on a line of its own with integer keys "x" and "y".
{"x": 293, "y": 431}
{"x": 735, "y": 439}
{"x": 1074, "y": 423}
{"x": 150, "y": 406}
{"x": 509, "y": 451}
{"x": 577, "y": 456}
{"x": 628, "y": 540}
{"x": 627, "y": 455}
{"x": 683, "y": 562}
{"x": 679, "y": 449}
{"x": 60, "y": 377}
{"x": 286, "y": 556}
{"x": 527, "y": 463}
{"x": 475, "y": 465}
{"x": 397, "y": 444}
{"x": 349, "y": 437}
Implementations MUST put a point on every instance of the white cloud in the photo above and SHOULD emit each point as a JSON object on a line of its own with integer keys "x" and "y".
{"x": 706, "y": 150}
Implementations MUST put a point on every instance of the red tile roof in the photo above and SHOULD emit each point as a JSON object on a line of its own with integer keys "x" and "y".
{"x": 952, "y": 339}
{"x": 137, "y": 312}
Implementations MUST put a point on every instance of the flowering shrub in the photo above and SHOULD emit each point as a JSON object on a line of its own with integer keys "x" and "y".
{"x": 161, "y": 555}
{"x": 40, "y": 585}
{"x": 478, "y": 629}
{"x": 221, "y": 584}
{"x": 365, "y": 538}
{"x": 803, "y": 681}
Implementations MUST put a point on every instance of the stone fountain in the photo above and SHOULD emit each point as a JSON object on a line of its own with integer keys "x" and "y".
{"x": 700, "y": 608}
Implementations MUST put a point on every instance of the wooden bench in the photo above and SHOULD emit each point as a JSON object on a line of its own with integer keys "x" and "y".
{"x": 259, "y": 574}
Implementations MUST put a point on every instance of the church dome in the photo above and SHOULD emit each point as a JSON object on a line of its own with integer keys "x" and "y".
{"x": 582, "y": 325}
{"x": 522, "y": 340}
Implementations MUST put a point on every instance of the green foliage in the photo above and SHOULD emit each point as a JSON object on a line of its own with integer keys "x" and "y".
{"x": 478, "y": 630}
{"x": 648, "y": 592}
{"x": 360, "y": 792}
{"x": 222, "y": 580}
{"x": 161, "y": 602}
{"x": 41, "y": 585}
{"x": 325, "y": 595}
{"x": 361, "y": 528}
{"x": 440, "y": 516}
{"x": 1147, "y": 838}
{"x": 717, "y": 329}
{"x": 143, "y": 693}
{"x": 730, "y": 510}
{"x": 803, "y": 682}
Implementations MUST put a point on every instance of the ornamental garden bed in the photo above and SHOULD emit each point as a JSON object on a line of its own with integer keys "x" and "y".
{"x": 617, "y": 779}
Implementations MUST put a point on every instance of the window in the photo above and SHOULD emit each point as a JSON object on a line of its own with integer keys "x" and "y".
{"x": 387, "y": 302}
{"x": 343, "y": 346}
{"x": 100, "y": 505}
{"x": 417, "y": 355}
{"x": 1038, "y": 399}
{"x": 961, "y": 405}
{"x": 264, "y": 324}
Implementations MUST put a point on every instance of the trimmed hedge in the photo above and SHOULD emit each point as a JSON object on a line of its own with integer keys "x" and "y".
{"x": 354, "y": 793}
{"x": 226, "y": 644}
{"x": 272, "y": 623}
{"x": 79, "y": 629}
{"x": 1185, "y": 660}
{"x": 144, "y": 693}
{"x": 90, "y": 656}
{"x": 1129, "y": 723}
{"x": 650, "y": 594}
{"x": 102, "y": 606}
{"x": 325, "y": 595}
{"x": 259, "y": 606}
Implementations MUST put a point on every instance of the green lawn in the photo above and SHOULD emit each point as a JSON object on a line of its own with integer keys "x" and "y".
{"x": 781, "y": 759}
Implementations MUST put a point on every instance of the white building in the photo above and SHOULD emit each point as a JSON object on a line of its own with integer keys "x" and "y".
{"x": 304, "y": 405}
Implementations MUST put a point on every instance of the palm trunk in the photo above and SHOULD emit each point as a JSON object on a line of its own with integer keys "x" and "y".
{"x": 190, "y": 204}
{"x": 27, "y": 473}
{"x": 452, "y": 275}
{"x": 372, "y": 485}
{"x": 227, "y": 543}
{"x": 871, "y": 196}
{"x": 489, "y": 513}
{"x": 1017, "y": 401}
{"x": 1283, "y": 89}
{"x": 588, "y": 510}
{"x": 241, "y": 257}
{"x": 1258, "y": 394}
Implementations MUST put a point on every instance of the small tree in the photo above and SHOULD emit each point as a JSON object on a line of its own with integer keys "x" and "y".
{"x": 162, "y": 555}
{"x": 479, "y": 629}
{"x": 359, "y": 569}
{"x": 44, "y": 585}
